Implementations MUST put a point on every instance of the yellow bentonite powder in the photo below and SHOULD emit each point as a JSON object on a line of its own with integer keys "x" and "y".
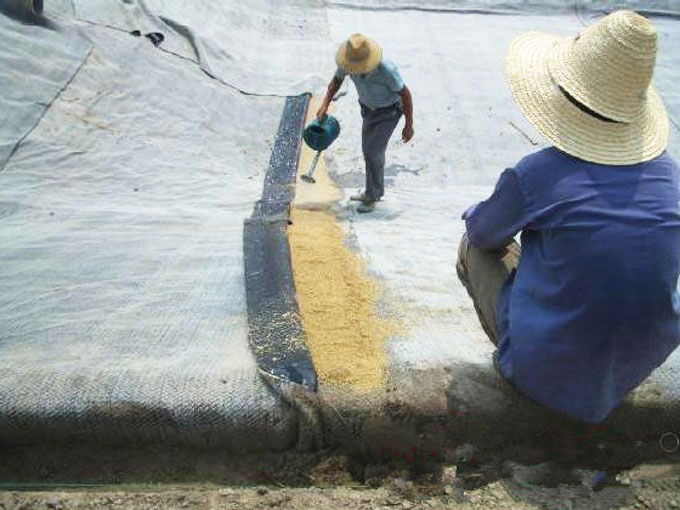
{"x": 337, "y": 304}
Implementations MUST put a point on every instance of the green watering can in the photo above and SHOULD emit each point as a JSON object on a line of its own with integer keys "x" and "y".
{"x": 319, "y": 135}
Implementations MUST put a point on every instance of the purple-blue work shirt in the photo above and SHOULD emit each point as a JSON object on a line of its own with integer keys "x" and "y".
{"x": 593, "y": 307}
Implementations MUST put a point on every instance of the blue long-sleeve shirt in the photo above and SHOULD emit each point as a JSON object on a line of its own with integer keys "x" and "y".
{"x": 593, "y": 307}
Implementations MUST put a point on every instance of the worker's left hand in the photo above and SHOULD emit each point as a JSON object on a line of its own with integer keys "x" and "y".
{"x": 407, "y": 133}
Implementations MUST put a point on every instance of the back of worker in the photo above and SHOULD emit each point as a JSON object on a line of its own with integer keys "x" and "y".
{"x": 593, "y": 307}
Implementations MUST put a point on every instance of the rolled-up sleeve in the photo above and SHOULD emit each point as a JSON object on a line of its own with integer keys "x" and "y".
{"x": 495, "y": 221}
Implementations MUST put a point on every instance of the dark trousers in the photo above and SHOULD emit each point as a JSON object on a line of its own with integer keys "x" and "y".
{"x": 483, "y": 273}
{"x": 378, "y": 126}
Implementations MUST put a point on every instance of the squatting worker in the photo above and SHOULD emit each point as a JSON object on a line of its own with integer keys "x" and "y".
{"x": 588, "y": 307}
{"x": 383, "y": 97}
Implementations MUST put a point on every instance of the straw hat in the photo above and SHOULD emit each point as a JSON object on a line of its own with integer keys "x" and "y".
{"x": 358, "y": 55}
{"x": 590, "y": 95}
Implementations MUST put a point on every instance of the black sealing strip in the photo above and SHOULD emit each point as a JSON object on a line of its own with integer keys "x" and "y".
{"x": 275, "y": 330}
{"x": 279, "y": 183}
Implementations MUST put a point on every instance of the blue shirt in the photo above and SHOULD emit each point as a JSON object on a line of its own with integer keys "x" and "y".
{"x": 380, "y": 87}
{"x": 593, "y": 307}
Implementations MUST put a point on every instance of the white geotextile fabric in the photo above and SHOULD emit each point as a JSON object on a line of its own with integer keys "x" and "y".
{"x": 28, "y": 86}
{"x": 266, "y": 47}
{"x": 467, "y": 131}
{"x": 513, "y": 6}
{"x": 121, "y": 270}
{"x": 262, "y": 47}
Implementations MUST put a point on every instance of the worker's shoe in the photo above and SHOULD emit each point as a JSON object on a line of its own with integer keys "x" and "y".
{"x": 362, "y": 197}
{"x": 359, "y": 197}
{"x": 366, "y": 207}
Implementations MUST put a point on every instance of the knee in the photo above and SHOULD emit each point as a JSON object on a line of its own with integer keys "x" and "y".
{"x": 463, "y": 246}
{"x": 463, "y": 249}
{"x": 374, "y": 161}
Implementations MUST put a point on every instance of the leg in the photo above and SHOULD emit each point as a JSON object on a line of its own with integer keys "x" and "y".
{"x": 375, "y": 133}
{"x": 483, "y": 273}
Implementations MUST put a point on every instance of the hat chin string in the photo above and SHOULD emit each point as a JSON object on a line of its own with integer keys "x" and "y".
{"x": 585, "y": 109}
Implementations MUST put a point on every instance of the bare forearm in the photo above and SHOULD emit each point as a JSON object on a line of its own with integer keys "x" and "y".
{"x": 333, "y": 88}
{"x": 407, "y": 105}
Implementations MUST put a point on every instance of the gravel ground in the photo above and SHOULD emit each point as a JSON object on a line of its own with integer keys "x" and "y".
{"x": 497, "y": 495}
{"x": 328, "y": 480}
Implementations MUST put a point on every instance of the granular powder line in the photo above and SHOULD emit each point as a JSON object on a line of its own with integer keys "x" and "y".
{"x": 337, "y": 304}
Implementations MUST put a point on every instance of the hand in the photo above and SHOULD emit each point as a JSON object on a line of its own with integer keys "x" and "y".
{"x": 407, "y": 133}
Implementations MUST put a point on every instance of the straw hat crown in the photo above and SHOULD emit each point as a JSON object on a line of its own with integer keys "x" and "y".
{"x": 609, "y": 66}
{"x": 359, "y": 54}
{"x": 357, "y": 48}
{"x": 591, "y": 95}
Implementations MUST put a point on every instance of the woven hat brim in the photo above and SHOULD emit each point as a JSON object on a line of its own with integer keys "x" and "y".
{"x": 527, "y": 71}
{"x": 361, "y": 67}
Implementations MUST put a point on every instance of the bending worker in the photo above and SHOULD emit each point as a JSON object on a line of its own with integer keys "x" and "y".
{"x": 383, "y": 97}
{"x": 588, "y": 307}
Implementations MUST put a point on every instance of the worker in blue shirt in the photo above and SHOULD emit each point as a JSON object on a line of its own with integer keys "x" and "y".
{"x": 588, "y": 307}
{"x": 383, "y": 97}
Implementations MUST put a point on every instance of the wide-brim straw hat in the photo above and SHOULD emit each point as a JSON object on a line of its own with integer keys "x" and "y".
{"x": 591, "y": 95}
{"x": 358, "y": 55}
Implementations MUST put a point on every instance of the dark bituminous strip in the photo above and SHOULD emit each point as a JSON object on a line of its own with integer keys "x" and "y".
{"x": 279, "y": 181}
{"x": 275, "y": 330}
